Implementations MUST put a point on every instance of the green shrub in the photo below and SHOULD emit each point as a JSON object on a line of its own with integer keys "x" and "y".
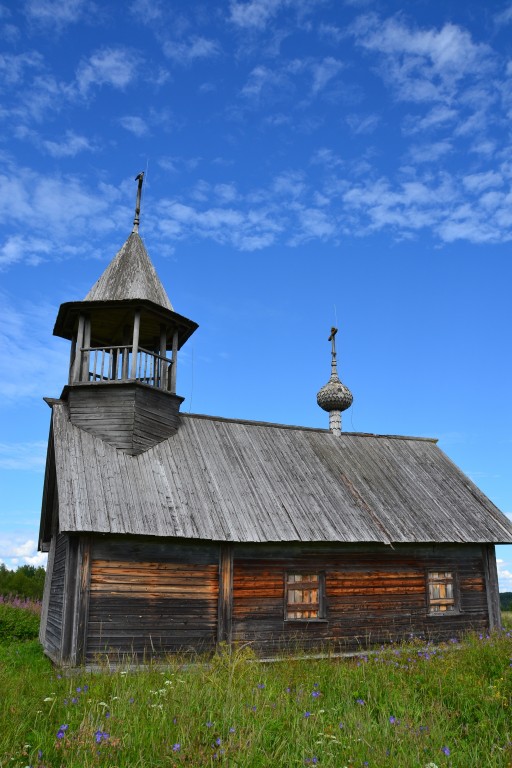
{"x": 17, "y": 624}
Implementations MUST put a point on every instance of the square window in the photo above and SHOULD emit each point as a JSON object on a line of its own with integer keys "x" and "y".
{"x": 304, "y": 596}
{"x": 441, "y": 592}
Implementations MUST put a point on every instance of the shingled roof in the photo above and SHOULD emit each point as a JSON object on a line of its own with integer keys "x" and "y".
{"x": 227, "y": 480}
{"x": 130, "y": 275}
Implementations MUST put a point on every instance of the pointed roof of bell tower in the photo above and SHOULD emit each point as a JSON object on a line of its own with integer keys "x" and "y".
{"x": 131, "y": 275}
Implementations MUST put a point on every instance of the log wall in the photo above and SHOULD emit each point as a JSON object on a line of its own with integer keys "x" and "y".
{"x": 374, "y": 594}
{"x": 151, "y": 598}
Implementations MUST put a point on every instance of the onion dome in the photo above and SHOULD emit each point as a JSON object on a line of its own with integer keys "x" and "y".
{"x": 334, "y": 397}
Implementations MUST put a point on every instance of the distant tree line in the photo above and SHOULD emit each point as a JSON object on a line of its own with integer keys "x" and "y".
{"x": 506, "y": 601}
{"x": 26, "y": 581}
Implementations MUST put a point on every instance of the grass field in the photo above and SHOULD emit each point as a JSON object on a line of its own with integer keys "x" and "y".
{"x": 406, "y": 706}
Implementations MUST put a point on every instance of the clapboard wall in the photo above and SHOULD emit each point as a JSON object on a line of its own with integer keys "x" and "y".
{"x": 54, "y": 623}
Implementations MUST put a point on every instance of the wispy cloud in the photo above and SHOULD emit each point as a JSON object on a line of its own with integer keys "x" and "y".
{"x": 185, "y": 52}
{"x": 15, "y": 550}
{"x": 70, "y": 146}
{"x": 255, "y": 14}
{"x": 24, "y": 456}
{"x": 58, "y": 14}
{"x": 116, "y": 67}
{"x": 24, "y": 371}
{"x": 134, "y": 124}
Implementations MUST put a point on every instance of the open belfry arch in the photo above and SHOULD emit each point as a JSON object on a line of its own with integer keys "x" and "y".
{"x": 175, "y": 532}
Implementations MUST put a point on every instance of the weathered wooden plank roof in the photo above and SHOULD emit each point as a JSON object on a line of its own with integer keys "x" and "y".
{"x": 130, "y": 275}
{"x": 227, "y": 480}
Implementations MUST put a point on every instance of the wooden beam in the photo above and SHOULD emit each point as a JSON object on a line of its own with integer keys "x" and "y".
{"x": 69, "y": 599}
{"x": 491, "y": 586}
{"x": 82, "y": 603}
{"x": 174, "y": 365}
{"x": 225, "y": 612}
{"x": 135, "y": 344}
{"x": 84, "y": 366}
{"x": 77, "y": 363}
{"x": 163, "y": 352}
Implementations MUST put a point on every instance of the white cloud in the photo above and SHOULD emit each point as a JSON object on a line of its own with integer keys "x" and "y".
{"x": 116, "y": 67}
{"x": 254, "y": 14}
{"x": 323, "y": 72}
{"x": 362, "y": 124}
{"x": 13, "y": 67}
{"x": 25, "y": 372}
{"x": 70, "y": 146}
{"x": 194, "y": 48}
{"x": 58, "y": 13}
{"x": 28, "y": 456}
{"x": 16, "y": 550}
{"x": 135, "y": 125}
{"x": 424, "y": 65}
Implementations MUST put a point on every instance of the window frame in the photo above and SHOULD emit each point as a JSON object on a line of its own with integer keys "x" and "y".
{"x": 456, "y": 595}
{"x": 321, "y": 596}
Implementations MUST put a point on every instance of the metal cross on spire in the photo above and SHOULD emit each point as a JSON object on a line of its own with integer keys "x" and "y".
{"x": 136, "y": 220}
{"x": 332, "y": 338}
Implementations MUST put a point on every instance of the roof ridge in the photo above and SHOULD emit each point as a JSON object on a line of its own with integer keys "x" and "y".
{"x": 255, "y": 423}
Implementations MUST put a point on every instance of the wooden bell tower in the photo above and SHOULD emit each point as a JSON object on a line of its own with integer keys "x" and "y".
{"x": 125, "y": 338}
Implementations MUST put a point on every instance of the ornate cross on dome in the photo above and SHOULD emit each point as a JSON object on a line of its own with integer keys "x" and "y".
{"x": 334, "y": 397}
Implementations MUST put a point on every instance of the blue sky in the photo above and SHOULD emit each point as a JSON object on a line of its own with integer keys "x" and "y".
{"x": 308, "y": 163}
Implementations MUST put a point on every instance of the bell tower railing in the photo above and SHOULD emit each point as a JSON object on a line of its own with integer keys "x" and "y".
{"x": 100, "y": 365}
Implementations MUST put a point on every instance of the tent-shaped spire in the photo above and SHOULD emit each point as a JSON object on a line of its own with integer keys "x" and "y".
{"x": 130, "y": 275}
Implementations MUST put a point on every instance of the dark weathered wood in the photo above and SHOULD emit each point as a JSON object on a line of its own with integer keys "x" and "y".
{"x": 54, "y": 623}
{"x": 69, "y": 599}
{"x": 152, "y": 596}
{"x": 371, "y": 596}
{"x": 82, "y": 603}
{"x": 225, "y": 609}
{"x": 491, "y": 586}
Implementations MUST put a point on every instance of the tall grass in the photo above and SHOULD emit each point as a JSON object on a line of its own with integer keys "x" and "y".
{"x": 406, "y": 706}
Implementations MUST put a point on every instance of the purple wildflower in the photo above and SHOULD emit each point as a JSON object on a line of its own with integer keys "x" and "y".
{"x": 107, "y": 714}
{"x": 445, "y": 750}
{"x": 341, "y": 725}
{"x": 232, "y": 729}
{"x": 315, "y": 694}
{"x": 101, "y": 736}
{"x": 176, "y": 747}
{"x": 361, "y": 702}
{"x": 392, "y": 720}
{"x": 74, "y": 700}
{"x": 261, "y": 685}
{"x": 209, "y": 724}
{"x": 79, "y": 690}
{"x": 307, "y": 714}
{"x": 218, "y": 741}
{"x": 62, "y": 730}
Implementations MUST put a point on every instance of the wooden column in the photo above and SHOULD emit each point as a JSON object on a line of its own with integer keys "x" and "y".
{"x": 225, "y": 613}
{"x": 163, "y": 352}
{"x": 84, "y": 365}
{"x": 491, "y": 586}
{"x": 174, "y": 362}
{"x": 135, "y": 344}
{"x": 82, "y": 602}
{"x": 77, "y": 363}
{"x": 125, "y": 353}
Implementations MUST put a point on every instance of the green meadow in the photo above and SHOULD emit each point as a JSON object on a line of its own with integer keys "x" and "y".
{"x": 406, "y": 705}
